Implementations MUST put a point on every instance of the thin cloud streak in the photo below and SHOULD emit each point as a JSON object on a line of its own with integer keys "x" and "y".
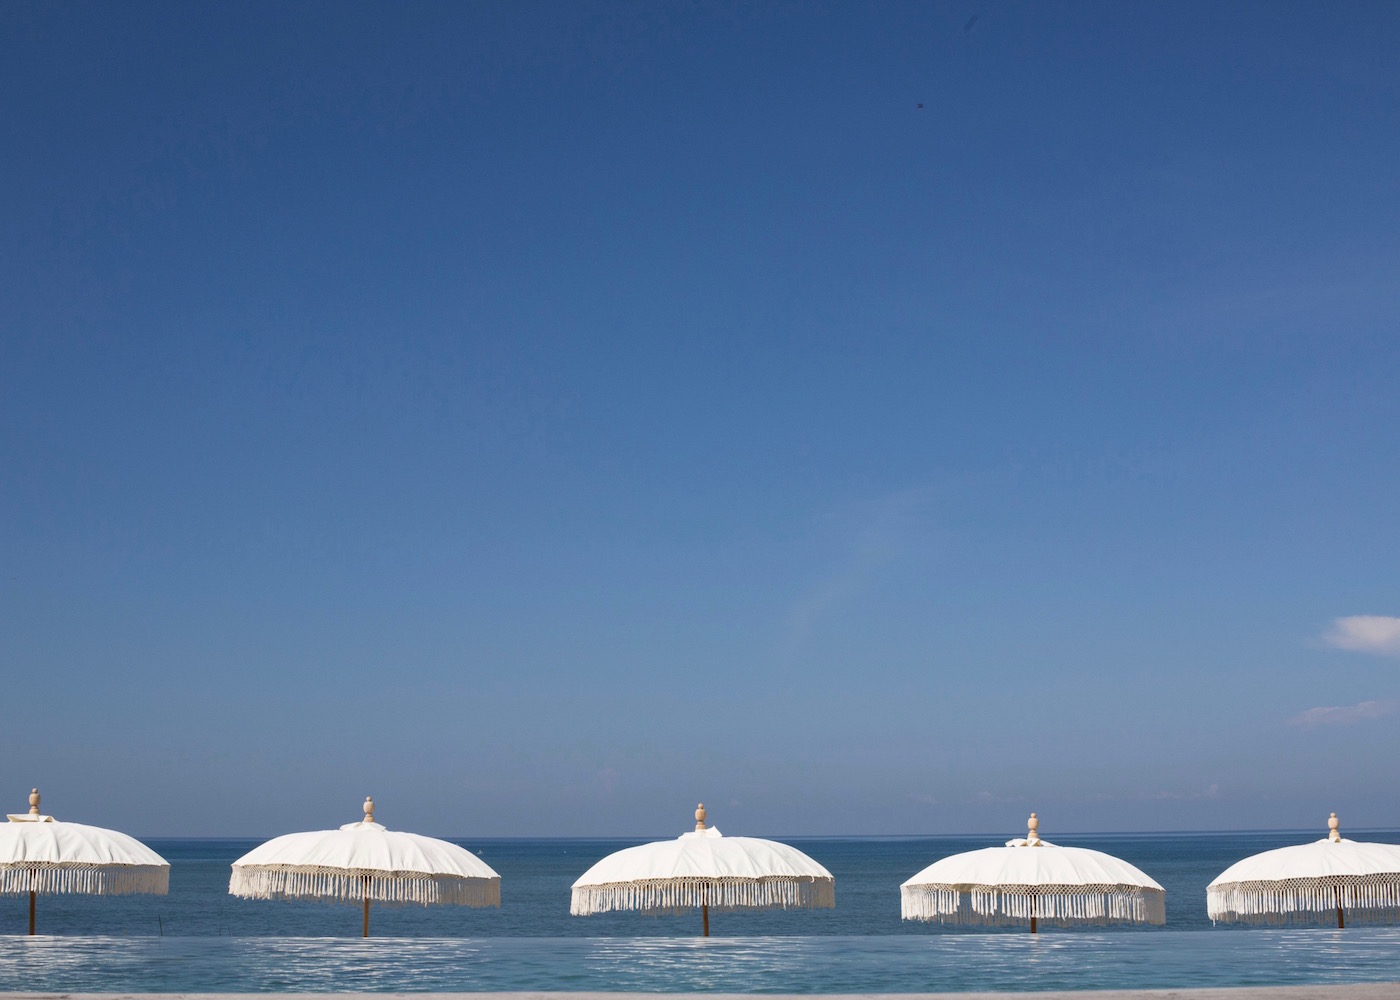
{"x": 1378, "y": 634}
{"x": 1344, "y": 715}
{"x": 882, "y": 536}
{"x": 1211, "y": 792}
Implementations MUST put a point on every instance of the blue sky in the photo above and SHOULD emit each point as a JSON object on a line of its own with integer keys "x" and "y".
{"x": 543, "y": 417}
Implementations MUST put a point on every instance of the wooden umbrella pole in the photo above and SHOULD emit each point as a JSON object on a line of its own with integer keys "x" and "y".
{"x": 369, "y": 818}
{"x": 705, "y": 905}
{"x": 366, "y": 928}
{"x": 33, "y": 875}
{"x": 1033, "y": 840}
{"x": 1334, "y": 834}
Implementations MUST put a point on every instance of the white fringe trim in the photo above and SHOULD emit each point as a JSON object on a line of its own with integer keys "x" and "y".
{"x": 655, "y": 896}
{"x": 1364, "y": 899}
{"x": 88, "y": 879}
{"x": 355, "y": 885}
{"x": 1053, "y": 906}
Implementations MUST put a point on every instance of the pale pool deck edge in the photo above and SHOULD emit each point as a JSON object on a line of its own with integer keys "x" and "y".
{"x": 1344, "y": 991}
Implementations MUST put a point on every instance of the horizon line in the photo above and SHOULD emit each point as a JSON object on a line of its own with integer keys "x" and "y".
{"x": 808, "y": 836}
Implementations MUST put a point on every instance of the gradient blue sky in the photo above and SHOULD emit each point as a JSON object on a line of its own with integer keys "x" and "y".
{"x": 546, "y": 416}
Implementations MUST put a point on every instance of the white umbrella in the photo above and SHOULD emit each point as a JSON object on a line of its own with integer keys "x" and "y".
{"x": 38, "y": 854}
{"x": 704, "y": 869}
{"x": 1031, "y": 880}
{"x": 1307, "y": 883}
{"x": 362, "y": 862}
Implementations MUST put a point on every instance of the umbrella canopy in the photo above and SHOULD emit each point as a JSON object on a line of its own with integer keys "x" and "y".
{"x": 1309, "y": 883}
{"x": 704, "y": 869}
{"x": 1032, "y": 880}
{"x": 40, "y": 855}
{"x": 364, "y": 861}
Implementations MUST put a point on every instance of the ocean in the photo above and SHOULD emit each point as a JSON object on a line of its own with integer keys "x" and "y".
{"x": 198, "y": 938}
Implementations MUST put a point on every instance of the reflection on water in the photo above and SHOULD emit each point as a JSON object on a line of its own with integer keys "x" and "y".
{"x": 825, "y": 964}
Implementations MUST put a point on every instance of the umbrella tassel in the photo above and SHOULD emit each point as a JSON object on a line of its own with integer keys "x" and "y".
{"x": 1372, "y": 899}
{"x": 62, "y": 877}
{"x": 994, "y": 906}
{"x": 678, "y": 896}
{"x": 394, "y": 888}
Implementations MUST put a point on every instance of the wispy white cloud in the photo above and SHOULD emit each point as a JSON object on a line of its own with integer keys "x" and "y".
{"x": 986, "y": 798}
{"x": 1379, "y": 634}
{"x": 1344, "y": 715}
{"x": 884, "y": 530}
{"x": 1210, "y": 792}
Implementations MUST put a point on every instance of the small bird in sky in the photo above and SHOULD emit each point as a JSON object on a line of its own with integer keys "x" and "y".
{"x": 919, "y": 105}
{"x": 971, "y": 23}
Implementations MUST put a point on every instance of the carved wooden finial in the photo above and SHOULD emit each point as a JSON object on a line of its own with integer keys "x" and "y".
{"x": 369, "y": 809}
{"x": 700, "y": 816}
{"x": 1333, "y": 834}
{"x": 34, "y": 802}
{"x": 1033, "y": 837}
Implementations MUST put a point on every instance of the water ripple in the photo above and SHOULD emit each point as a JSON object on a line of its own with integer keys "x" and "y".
{"x": 825, "y": 964}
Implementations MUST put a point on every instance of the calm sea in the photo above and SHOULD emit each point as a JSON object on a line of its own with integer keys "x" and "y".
{"x": 198, "y": 938}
